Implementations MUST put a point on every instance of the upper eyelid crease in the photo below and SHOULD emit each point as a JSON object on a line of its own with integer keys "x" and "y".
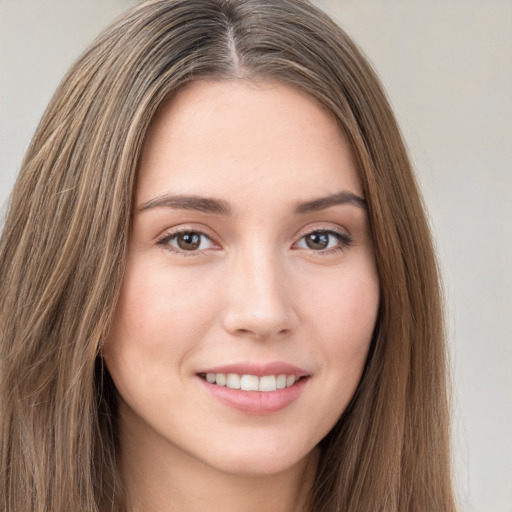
{"x": 174, "y": 233}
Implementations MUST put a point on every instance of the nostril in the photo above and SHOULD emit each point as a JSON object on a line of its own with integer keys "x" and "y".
{"x": 263, "y": 333}
{"x": 260, "y": 319}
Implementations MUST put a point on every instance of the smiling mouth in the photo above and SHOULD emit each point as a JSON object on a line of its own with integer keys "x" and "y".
{"x": 265, "y": 383}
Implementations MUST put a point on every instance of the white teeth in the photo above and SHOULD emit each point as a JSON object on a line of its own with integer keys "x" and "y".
{"x": 267, "y": 383}
{"x": 281, "y": 381}
{"x": 252, "y": 382}
{"x": 249, "y": 383}
{"x": 233, "y": 381}
{"x": 290, "y": 380}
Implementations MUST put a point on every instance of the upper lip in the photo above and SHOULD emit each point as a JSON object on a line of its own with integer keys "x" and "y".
{"x": 257, "y": 369}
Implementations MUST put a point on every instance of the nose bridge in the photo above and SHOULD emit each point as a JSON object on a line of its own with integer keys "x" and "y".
{"x": 260, "y": 302}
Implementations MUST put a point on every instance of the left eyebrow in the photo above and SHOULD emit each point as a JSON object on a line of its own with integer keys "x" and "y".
{"x": 321, "y": 203}
{"x": 186, "y": 202}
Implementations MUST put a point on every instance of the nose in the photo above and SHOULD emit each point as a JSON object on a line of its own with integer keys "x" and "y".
{"x": 260, "y": 301}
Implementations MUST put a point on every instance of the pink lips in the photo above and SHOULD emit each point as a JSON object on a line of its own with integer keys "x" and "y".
{"x": 273, "y": 368}
{"x": 257, "y": 402}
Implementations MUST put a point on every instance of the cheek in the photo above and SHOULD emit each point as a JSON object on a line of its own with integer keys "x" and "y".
{"x": 159, "y": 319}
{"x": 156, "y": 298}
{"x": 341, "y": 317}
{"x": 344, "y": 314}
{"x": 346, "y": 310}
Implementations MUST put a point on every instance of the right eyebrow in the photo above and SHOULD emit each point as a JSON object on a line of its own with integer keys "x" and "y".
{"x": 322, "y": 203}
{"x": 184, "y": 202}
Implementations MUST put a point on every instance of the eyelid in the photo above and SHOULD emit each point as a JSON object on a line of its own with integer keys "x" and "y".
{"x": 345, "y": 239}
{"x": 326, "y": 227}
{"x": 164, "y": 239}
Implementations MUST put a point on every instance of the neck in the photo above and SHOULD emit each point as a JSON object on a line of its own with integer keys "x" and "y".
{"x": 160, "y": 477}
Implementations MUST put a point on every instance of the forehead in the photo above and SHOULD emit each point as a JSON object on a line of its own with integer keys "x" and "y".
{"x": 222, "y": 137}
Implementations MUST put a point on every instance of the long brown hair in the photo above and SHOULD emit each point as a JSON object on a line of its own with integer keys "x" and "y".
{"x": 63, "y": 250}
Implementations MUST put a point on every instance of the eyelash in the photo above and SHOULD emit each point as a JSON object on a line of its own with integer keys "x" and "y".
{"x": 166, "y": 239}
{"x": 344, "y": 241}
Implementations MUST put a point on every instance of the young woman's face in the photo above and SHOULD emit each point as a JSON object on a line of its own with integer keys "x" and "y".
{"x": 251, "y": 265}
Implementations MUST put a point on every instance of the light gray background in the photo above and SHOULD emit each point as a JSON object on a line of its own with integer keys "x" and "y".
{"x": 447, "y": 68}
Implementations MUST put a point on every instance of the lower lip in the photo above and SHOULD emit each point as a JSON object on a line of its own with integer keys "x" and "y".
{"x": 257, "y": 402}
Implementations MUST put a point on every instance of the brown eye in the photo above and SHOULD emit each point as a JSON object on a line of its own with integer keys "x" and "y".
{"x": 324, "y": 240}
{"x": 189, "y": 241}
{"x": 317, "y": 241}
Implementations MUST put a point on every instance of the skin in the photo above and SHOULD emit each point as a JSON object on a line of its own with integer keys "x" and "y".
{"x": 254, "y": 291}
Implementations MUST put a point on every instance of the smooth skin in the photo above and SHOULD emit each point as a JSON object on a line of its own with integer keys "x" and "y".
{"x": 259, "y": 272}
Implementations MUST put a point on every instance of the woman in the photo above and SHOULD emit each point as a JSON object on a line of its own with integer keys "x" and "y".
{"x": 218, "y": 284}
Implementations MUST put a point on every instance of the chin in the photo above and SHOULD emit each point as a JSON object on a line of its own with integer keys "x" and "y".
{"x": 262, "y": 462}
